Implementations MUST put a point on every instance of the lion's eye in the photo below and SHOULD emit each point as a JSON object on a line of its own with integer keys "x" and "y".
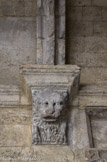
{"x": 61, "y": 103}
{"x": 46, "y": 103}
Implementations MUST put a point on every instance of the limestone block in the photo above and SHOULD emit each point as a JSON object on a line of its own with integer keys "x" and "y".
{"x": 39, "y": 26}
{"x": 99, "y": 128}
{"x": 76, "y": 45}
{"x": 82, "y": 137}
{"x": 80, "y": 2}
{"x": 89, "y": 59}
{"x": 104, "y": 13}
{"x": 50, "y": 15}
{"x": 95, "y": 44}
{"x": 14, "y": 50}
{"x": 60, "y": 50}
{"x": 43, "y": 154}
{"x": 45, "y": 7}
{"x": 81, "y": 28}
{"x": 60, "y": 8}
{"x": 18, "y": 8}
{"x": 92, "y": 96}
{"x": 30, "y": 8}
{"x": 99, "y": 2}
{"x": 100, "y": 29}
{"x": 49, "y": 76}
{"x": 92, "y": 13}
{"x": 48, "y": 27}
{"x": 46, "y": 31}
{"x": 16, "y": 116}
{"x": 9, "y": 153}
{"x": 39, "y": 51}
{"x": 76, "y": 14}
{"x": 97, "y": 122}
{"x": 48, "y": 50}
{"x": 14, "y": 135}
{"x": 9, "y": 95}
{"x": 61, "y": 27}
{"x": 9, "y": 75}
{"x": 93, "y": 75}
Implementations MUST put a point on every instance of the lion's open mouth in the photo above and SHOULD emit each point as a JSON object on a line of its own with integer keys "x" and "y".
{"x": 49, "y": 119}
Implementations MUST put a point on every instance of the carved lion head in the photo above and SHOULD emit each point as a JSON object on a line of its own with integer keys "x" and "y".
{"x": 49, "y": 105}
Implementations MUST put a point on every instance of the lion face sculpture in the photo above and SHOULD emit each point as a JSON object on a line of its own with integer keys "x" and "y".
{"x": 49, "y": 105}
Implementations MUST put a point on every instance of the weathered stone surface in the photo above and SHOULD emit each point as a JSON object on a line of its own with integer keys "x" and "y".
{"x": 39, "y": 153}
{"x": 50, "y": 28}
{"x": 48, "y": 50}
{"x": 18, "y": 8}
{"x": 45, "y": 31}
{"x": 9, "y": 95}
{"x": 80, "y": 29}
{"x": 86, "y": 38}
{"x": 49, "y": 84}
{"x": 90, "y": 59}
{"x": 60, "y": 77}
{"x": 92, "y": 13}
{"x": 60, "y": 50}
{"x": 14, "y": 135}
{"x": 99, "y": 2}
{"x": 79, "y": 2}
{"x": 98, "y": 127}
{"x": 14, "y": 50}
{"x": 96, "y": 155}
{"x": 98, "y": 75}
{"x": 93, "y": 95}
{"x": 16, "y": 115}
{"x": 76, "y": 14}
{"x": 100, "y": 29}
{"x": 9, "y": 75}
{"x": 104, "y": 13}
{"x": 49, "y": 127}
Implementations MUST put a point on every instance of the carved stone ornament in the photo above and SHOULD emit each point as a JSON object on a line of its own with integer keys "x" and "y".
{"x": 49, "y": 125}
{"x": 46, "y": 88}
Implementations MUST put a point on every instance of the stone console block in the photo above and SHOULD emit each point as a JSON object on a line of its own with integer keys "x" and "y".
{"x": 49, "y": 127}
{"x": 50, "y": 90}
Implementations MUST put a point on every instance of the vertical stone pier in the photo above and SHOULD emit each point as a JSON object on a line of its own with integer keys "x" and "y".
{"x": 50, "y": 85}
{"x": 51, "y": 32}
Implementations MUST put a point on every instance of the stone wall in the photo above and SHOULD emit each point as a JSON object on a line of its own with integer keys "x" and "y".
{"x": 17, "y": 37}
{"x": 87, "y": 38}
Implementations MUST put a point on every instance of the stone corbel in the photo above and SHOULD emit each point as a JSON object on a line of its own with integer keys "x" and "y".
{"x": 50, "y": 90}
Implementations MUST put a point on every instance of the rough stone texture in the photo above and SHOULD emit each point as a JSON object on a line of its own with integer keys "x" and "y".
{"x": 14, "y": 135}
{"x": 17, "y": 115}
{"x": 50, "y": 83}
{"x": 51, "y": 32}
{"x": 87, "y": 37}
{"x": 86, "y": 47}
{"x": 96, "y": 156}
{"x": 97, "y": 126}
{"x": 36, "y": 154}
{"x": 49, "y": 126}
{"x": 17, "y": 38}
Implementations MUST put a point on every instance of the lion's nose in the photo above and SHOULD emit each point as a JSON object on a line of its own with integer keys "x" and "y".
{"x": 50, "y": 110}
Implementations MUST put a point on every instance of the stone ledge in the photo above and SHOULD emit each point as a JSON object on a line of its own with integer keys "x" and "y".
{"x": 59, "y": 77}
{"x": 9, "y": 95}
